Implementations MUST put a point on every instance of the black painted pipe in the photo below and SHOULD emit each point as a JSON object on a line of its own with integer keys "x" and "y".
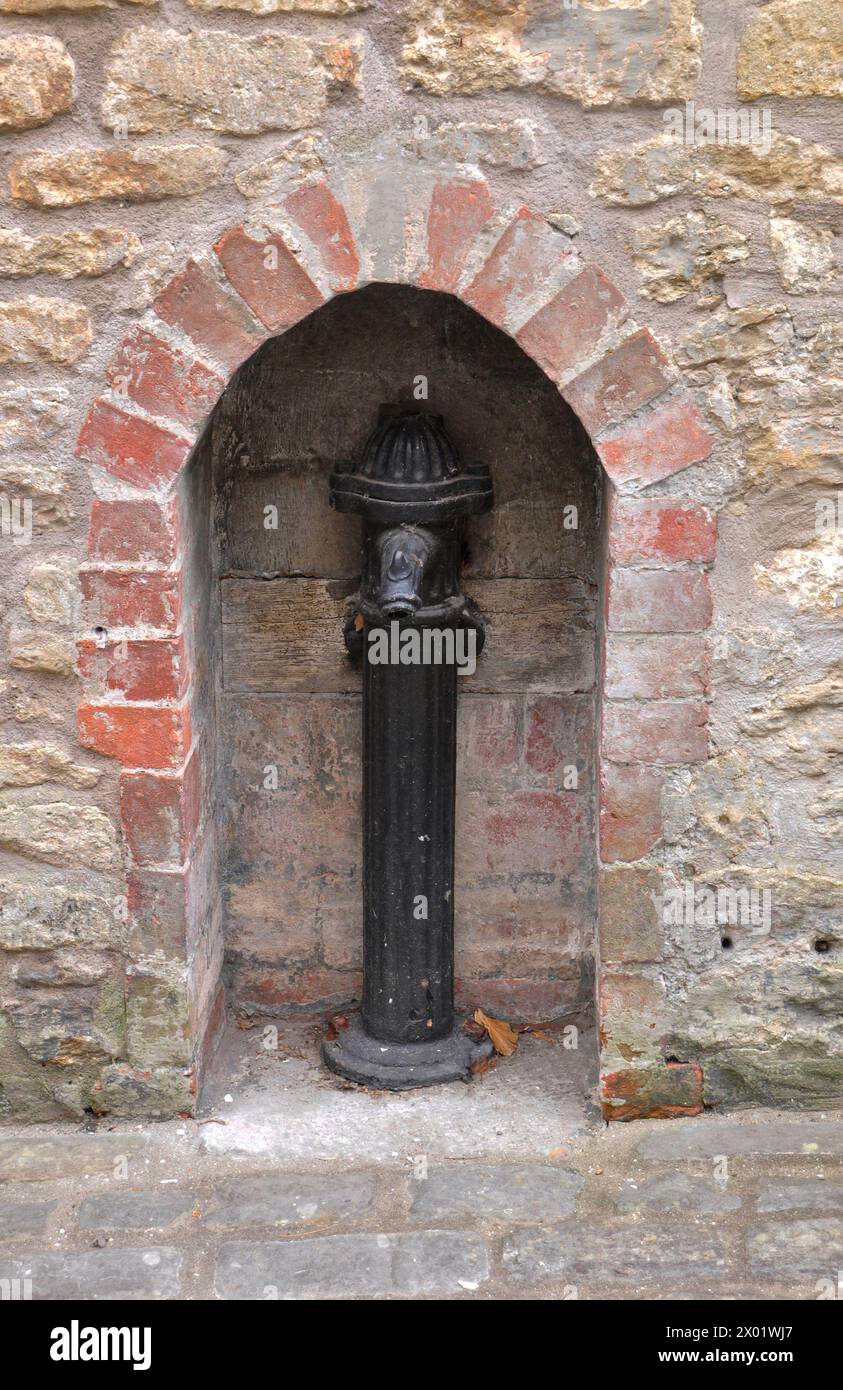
{"x": 412, "y": 494}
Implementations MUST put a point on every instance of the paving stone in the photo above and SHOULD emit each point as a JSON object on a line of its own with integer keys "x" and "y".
{"x": 787, "y": 1248}
{"x": 424, "y": 1262}
{"x": 99, "y": 1274}
{"x": 605, "y": 1255}
{"x": 707, "y": 1138}
{"x": 291, "y": 1199}
{"x": 39, "y": 1160}
{"x": 134, "y": 1211}
{"x": 531, "y": 1191}
{"x": 678, "y": 1190}
{"x": 791, "y": 1196}
{"x": 24, "y": 1218}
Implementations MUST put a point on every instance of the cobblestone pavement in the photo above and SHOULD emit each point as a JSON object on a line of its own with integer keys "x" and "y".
{"x": 509, "y": 1188}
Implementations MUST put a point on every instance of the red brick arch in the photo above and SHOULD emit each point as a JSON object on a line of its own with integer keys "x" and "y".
{"x": 527, "y": 278}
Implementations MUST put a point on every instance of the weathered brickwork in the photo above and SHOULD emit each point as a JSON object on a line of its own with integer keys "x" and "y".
{"x": 645, "y": 197}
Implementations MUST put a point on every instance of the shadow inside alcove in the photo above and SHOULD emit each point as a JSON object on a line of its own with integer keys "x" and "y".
{"x": 269, "y": 579}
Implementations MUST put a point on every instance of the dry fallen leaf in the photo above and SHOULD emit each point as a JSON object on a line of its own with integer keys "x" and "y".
{"x": 335, "y": 1023}
{"x": 358, "y": 622}
{"x": 482, "y": 1064}
{"x": 504, "y": 1038}
{"x": 475, "y": 1030}
{"x": 537, "y": 1033}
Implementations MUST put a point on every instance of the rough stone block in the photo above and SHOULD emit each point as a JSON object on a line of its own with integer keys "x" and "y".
{"x": 30, "y": 764}
{"x": 41, "y": 651}
{"x": 162, "y": 80}
{"x": 597, "y": 55}
{"x": 59, "y": 833}
{"x": 417, "y": 1263}
{"x": 36, "y": 80}
{"x": 296, "y": 1200}
{"x": 792, "y": 48}
{"x": 91, "y": 252}
{"x": 53, "y": 916}
{"x": 630, "y": 919}
{"x": 499, "y": 1193}
{"x": 96, "y": 1275}
{"x": 46, "y": 179}
{"x": 57, "y": 332}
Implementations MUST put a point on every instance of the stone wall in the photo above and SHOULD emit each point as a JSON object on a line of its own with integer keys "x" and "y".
{"x": 129, "y": 148}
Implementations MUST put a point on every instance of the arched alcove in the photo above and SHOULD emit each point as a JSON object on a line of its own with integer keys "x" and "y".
{"x": 152, "y": 647}
{"x": 286, "y": 698}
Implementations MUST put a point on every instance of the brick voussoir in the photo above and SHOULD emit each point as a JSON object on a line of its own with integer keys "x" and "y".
{"x": 201, "y": 303}
{"x": 526, "y": 267}
{"x": 268, "y": 276}
{"x": 459, "y": 209}
{"x": 617, "y": 385}
{"x": 164, "y": 378}
{"x": 668, "y": 435}
{"x": 576, "y": 327}
{"x": 132, "y": 446}
{"x": 321, "y": 219}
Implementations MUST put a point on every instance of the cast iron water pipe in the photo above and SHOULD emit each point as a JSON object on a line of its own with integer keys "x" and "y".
{"x": 412, "y": 494}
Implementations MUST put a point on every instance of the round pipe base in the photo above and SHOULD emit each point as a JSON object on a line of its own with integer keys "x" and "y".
{"x": 390, "y": 1066}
